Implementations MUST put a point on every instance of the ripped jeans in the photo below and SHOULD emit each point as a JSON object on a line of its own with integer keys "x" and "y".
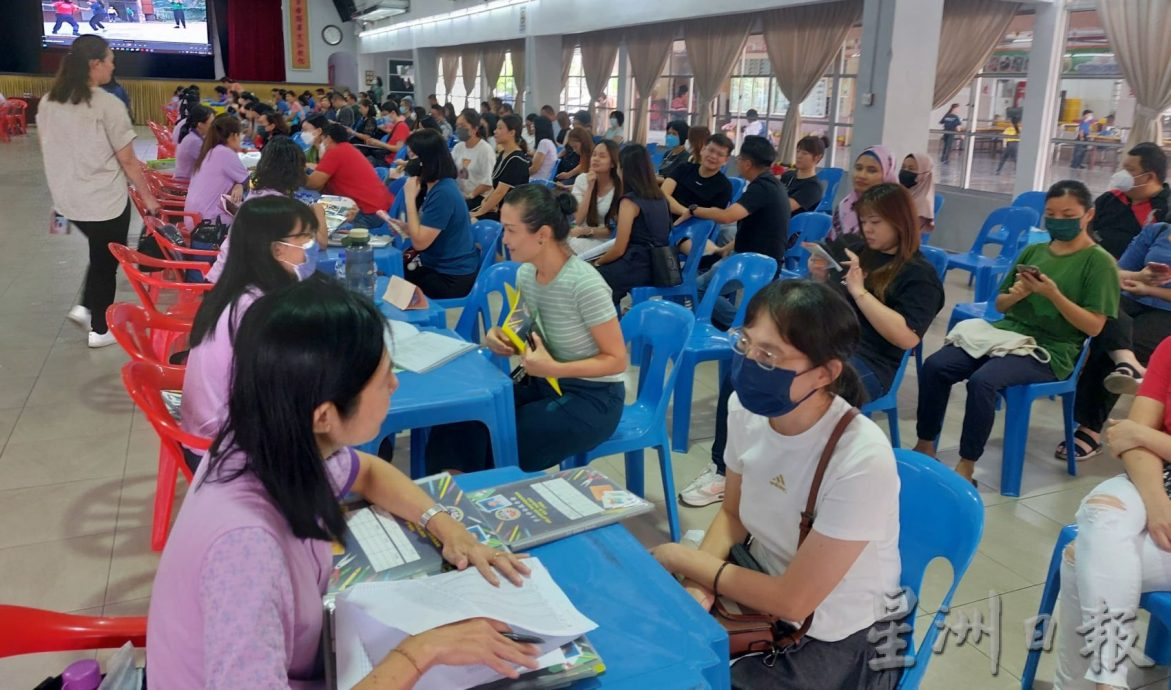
{"x": 1113, "y": 561}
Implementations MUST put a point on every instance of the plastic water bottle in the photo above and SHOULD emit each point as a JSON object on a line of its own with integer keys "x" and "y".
{"x": 360, "y": 262}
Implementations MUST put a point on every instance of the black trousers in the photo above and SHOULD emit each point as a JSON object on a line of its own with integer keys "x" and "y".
{"x": 95, "y": 22}
{"x": 101, "y": 276}
{"x": 810, "y": 664}
{"x": 1139, "y": 328}
{"x": 180, "y": 16}
{"x": 436, "y": 285}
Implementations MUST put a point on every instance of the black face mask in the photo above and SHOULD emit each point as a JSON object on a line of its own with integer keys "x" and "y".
{"x": 908, "y": 178}
{"x": 413, "y": 167}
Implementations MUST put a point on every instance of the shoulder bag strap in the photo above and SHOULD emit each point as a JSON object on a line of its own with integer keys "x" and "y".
{"x": 809, "y": 514}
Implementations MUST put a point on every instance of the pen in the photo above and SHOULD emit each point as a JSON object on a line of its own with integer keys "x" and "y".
{"x": 523, "y": 639}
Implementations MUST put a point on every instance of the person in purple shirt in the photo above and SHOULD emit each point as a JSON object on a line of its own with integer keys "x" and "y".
{"x": 274, "y": 247}
{"x": 191, "y": 136}
{"x": 217, "y": 171}
{"x": 236, "y": 601}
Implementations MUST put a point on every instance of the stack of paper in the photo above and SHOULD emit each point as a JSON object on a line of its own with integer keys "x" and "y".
{"x": 373, "y": 618}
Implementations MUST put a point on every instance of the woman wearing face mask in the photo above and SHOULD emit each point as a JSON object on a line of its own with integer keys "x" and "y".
{"x": 191, "y": 136}
{"x": 439, "y": 228}
{"x": 794, "y": 387}
{"x": 1056, "y": 296}
{"x": 874, "y": 166}
{"x": 368, "y": 119}
{"x": 676, "y": 145}
{"x": 544, "y": 151}
{"x": 312, "y": 136}
{"x": 577, "y": 341}
{"x": 511, "y": 169}
{"x": 271, "y": 124}
{"x": 644, "y": 222}
{"x": 217, "y": 171}
{"x": 396, "y": 129}
{"x": 614, "y": 133}
{"x": 895, "y": 292}
{"x": 474, "y": 158}
{"x": 595, "y": 192}
{"x": 917, "y": 175}
{"x": 274, "y": 245}
{"x": 237, "y": 598}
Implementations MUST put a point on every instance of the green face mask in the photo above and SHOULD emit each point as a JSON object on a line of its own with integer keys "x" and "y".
{"x": 1063, "y": 229}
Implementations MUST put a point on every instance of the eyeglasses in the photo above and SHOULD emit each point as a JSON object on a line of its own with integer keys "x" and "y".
{"x": 763, "y": 359}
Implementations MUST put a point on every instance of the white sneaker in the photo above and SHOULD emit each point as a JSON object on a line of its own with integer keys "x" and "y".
{"x": 80, "y": 316}
{"x": 97, "y": 340}
{"x": 708, "y": 488}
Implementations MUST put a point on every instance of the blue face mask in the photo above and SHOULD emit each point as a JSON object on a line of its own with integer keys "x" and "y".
{"x": 672, "y": 141}
{"x": 381, "y": 121}
{"x": 305, "y": 269}
{"x": 764, "y": 392}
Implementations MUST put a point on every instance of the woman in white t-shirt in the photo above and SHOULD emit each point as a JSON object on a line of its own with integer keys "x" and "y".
{"x": 793, "y": 386}
{"x": 544, "y": 151}
{"x": 87, "y": 141}
{"x": 595, "y": 193}
{"x": 474, "y": 158}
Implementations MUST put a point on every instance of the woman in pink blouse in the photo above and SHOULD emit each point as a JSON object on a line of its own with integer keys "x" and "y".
{"x": 237, "y": 597}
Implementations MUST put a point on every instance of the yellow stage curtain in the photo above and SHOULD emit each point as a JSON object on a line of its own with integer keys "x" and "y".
{"x": 147, "y": 96}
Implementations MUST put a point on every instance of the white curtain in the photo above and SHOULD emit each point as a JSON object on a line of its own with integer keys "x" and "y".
{"x": 449, "y": 61}
{"x": 517, "y": 50}
{"x": 648, "y": 47}
{"x": 1140, "y": 35}
{"x": 599, "y": 50}
{"x": 470, "y": 63}
{"x": 493, "y": 56}
{"x": 802, "y": 42}
{"x": 970, "y": 31}
{"x": 713, "y": 46}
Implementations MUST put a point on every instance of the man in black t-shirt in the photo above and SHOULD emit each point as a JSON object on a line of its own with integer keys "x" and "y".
{"x": 802, "y": 185}
{"x": 1138, "y": 197}
{"x": 701, "y": 183}
{"x": 761, "y": 215}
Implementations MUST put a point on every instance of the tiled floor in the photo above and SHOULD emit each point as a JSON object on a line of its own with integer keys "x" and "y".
{"x": 77, "y": 463}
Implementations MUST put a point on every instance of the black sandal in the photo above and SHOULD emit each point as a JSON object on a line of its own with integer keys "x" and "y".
{"x": 1092, "y": 449}
{"x": 1124, "y": 380}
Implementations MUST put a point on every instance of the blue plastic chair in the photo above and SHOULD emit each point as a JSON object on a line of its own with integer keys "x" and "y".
{"x": 1018, "y": 406}
{"x": 738, "y": 185}
{"x": 889, "y": 402}
{"x": 808, "y": 227}
{"x": 652, "y": 148}
{"x": 486, "y": 236}
{"x": 830, "y": 179}
{"x": 402, "y": 154}
{"x": 698, "y": 232}
{"x": 476, "y": 318}
{"x": 1033, "y": 200}
{"x": 925, "y": 237}
{"x": 707, "y": 343}
{"x": 655, "y": 334}
{"x": 1016, "y": 222}
{"x": 1158, "y": 637}
{"x": 381, "y": 172}
{"x": 940, "y": 516}
{"x": 396, "y": 185}
{"x": 938, "y": 260}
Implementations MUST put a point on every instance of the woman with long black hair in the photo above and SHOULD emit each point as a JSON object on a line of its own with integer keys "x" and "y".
{"x": 191, "y": 136}
{"x": 87, "y": 141}
{"x": 644, "y": 222}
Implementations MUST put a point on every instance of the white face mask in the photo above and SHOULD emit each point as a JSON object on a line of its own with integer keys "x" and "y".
{"x": 1122, "y": 181}
{"x": 613, "y": 122}
{"x": 309, "y": 137}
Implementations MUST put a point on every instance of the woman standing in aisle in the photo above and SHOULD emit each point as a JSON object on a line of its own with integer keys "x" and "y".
{"x": 87, "y": 141}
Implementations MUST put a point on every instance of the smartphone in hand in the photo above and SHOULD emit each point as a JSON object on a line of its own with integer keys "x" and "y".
{"x": 1030, "y": 269}
{"x": 230, "y": 206}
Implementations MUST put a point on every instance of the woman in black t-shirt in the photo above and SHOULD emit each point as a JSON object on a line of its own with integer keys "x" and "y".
{"x": 511, "y": 170}
{"x": 644, "y": 222}
{"x": 894, "y": 290}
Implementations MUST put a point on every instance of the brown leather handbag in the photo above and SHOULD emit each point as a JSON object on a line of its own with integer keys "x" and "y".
{"x": 752, "y": 631}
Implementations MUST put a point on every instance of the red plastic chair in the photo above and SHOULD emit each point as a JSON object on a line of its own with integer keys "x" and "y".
{"x": 145, "y": 382}
{"x": 150, "y": 287}
{"x": 166, "y": 147}
{"x": 17, "y": 110}
{"x": 39, "y": 630}
{"x": 147, "y": 336}
{"x": 172, "y": 251}
{"x": 170, "y": 211}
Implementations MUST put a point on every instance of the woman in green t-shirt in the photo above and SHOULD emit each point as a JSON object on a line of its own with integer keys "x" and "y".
{"x": 1058, "y": 293}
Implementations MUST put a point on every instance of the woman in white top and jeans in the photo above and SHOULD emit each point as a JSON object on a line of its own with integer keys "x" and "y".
{"x": 793, "y": 385}
{"x": 87, "y": 141}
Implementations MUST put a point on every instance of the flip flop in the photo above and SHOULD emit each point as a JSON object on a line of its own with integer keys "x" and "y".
{"x": 1124, "y": 380}
{"x": 1094, "y": 446}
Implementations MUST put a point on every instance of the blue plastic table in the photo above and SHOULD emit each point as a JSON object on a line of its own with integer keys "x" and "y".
{"x": 469, "y": 388}
{"x": 651, "y": 633}
{"x": 433, "y": 316}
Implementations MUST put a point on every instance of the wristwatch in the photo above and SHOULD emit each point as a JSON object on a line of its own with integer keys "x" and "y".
{"x": 430, "y": 513}
{"x": 691, "y": 208}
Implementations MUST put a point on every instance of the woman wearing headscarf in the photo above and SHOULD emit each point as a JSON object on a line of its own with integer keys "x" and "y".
{"x": 918, "y": 175}
{"x": 873, "y": 166}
